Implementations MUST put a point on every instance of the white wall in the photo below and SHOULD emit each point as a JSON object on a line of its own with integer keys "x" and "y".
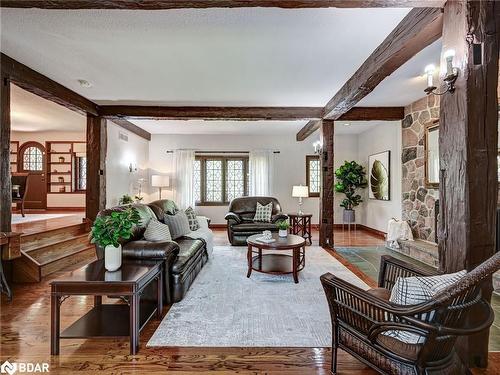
{"x": 120, "y": 154}
{"x": 290, "y": 164}
{"x": 345, "y": 147}
{"x": 374, "y": 213}
{"x": 54, "y": 200}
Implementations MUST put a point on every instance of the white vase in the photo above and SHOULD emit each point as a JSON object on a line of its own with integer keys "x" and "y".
{"x": 112, "y": 257}
{"x": 282, "y": 233}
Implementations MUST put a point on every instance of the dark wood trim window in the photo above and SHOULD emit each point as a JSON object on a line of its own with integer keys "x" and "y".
{"x": 313, "y": 175}
{"x": 80, "y": 173}
{"x": 219, "y": 179}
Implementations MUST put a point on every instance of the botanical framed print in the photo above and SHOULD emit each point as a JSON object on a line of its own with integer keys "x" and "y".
{"x": 379, "y": 170}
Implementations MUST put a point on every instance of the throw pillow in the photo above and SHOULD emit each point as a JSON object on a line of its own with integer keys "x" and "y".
{"x": 193, "y": 222}
{"x": 157, "y": 231}
{"x": 178, "y": 224}
{"x": 415, "y": 290}
{"x": 263, "y": 213}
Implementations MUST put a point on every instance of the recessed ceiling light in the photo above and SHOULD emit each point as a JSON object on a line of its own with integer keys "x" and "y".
{"x": 347, "y": 124}
{"x": 84, "y": 83}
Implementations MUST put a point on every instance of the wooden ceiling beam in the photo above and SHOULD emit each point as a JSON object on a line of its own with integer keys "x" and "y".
{"x": 127, "y": 125}
{"x": 38, "y": 84}
{"x": 210, "y": 113}
{"x": 202, "y": 4}
{"x": 357, "y": 114}
{"x": 417, "y": 30}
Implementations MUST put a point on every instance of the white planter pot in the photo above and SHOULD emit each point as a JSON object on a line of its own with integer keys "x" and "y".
{"x": 282, "y": 233}
{"x": 349, "y": 216}
{"x": 112, "y": 257}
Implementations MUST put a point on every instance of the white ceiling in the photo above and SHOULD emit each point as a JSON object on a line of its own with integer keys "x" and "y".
{"x": 356, "y": 127}
{"x": 251, "y": 56}
{"x": 31, "y": 113}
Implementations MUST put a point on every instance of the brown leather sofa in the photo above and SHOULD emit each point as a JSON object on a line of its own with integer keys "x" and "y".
{"x": 240, "y": 223}
{"x": 184, "y": 257}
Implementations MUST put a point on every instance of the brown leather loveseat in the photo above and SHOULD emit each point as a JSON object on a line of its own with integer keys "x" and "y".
{"x": 184, "y": 257}
{"x": 240, "y": 223}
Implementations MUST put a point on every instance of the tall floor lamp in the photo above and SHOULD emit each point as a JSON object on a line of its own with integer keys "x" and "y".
{"x": 160, "y": 182}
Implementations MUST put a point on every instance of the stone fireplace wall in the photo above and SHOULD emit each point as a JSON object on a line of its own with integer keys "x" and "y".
{"x": 417, "y": 200}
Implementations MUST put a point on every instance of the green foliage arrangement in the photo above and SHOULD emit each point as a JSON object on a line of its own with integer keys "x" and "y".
{"x": 350, "y": 177}
{"x": 283, "y": 224}
{"x": 125, "y": 199}
{"x": 113, "y": 228}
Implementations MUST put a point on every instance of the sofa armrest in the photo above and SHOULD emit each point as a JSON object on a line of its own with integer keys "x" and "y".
{"x": 231, "y": 216}
{"x": 278, "y": 217}
{"x": 150, "y": 250}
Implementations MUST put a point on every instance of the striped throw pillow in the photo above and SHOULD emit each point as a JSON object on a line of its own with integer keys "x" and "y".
{"x": 417, "y": 289}
{"x": 193, "y": 221}
{"x": 178, "y": 224}
{"x": 263, "y": 213}
{"x": 156, "y": 232}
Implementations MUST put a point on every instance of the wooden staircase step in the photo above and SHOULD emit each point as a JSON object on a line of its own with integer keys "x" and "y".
{"x": 86, "y": 254}
{"x": 56, "y": 250}
{"x": 36, "y": 240}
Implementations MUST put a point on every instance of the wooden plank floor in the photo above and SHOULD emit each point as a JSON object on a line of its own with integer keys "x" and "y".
{"x": 25, "y": 322}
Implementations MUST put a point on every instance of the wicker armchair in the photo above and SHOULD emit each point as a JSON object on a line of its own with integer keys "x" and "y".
{"x": 360, "y": 317}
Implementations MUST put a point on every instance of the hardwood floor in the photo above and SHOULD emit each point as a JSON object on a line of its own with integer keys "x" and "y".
{"x": 25, "y": 322}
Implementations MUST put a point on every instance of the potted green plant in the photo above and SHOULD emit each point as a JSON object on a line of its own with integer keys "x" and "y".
{"x": 350, "y": 178}
{"x": 108, "y": 232}
{"x": 125, "y": 199}
{"x": 283, "y": 226}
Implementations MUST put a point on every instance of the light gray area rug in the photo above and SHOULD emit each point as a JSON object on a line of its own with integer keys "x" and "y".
{"x": 224, "y": 308}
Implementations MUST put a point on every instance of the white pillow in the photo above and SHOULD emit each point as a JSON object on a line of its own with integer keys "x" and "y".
{"x": 263, "y": 213}
{"x": 418, "y": 289}
{"x": 156, "y": 232}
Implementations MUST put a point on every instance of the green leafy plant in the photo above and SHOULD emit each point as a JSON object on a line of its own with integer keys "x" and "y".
{"x": 113, "y": 228}
{"x": 350, "y": 178}
{"x": 283, "y": 225}
{"x": 125, "y": 199}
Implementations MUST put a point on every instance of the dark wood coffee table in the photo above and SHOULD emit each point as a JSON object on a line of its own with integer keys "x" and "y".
{"x": 277, "y": 264}
{"x": 113, "y": 320}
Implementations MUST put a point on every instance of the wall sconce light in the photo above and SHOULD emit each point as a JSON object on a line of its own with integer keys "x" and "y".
{"x": 318, "y": 147}
{"x": 132, "y": 168}
{"x": 449, "y": 79}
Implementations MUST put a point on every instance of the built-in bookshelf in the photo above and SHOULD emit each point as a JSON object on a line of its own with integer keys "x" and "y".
{"x": 61, "y": 159}
{"x": 14, "y": 149}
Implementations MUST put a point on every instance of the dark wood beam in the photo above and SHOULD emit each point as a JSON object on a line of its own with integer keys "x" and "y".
{"x": 210, "y": 113}
{"x": 417, "y": 30}
{"x": 38, "y": 84}
{"x": 181, "y": 4}
{"x": 327, "y": 180}
{"x": 357, "y": 114}
{"x": 5, "y": 186}
{"x": 127, "y": 125}
{"x": 95, "y": 197}
{"x": 468, "y": 151}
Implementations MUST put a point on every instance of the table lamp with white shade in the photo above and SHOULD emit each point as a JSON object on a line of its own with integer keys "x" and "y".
{"x": 160, "y": 182}
{"x": 299, "y": 191}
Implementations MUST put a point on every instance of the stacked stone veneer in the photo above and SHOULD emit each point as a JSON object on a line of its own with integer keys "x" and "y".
{"x": 418, "y": 200}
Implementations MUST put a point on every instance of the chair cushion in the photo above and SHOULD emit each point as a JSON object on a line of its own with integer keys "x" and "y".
{"x": 253, "y": 227}
{"x": 193, "y": 221}
{"x": 381, "y": 293}
{"x": 178, "y": 224}
{"x": 156, "y": 231}
{"x": 188, "y": 250}
{"x": 263, "y": 213}
{"x": 415, "y": 290}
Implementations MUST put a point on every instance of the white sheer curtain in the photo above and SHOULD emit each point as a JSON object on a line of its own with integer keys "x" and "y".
{"x": 261, "y": 164}
{"x": 184, "y": 189}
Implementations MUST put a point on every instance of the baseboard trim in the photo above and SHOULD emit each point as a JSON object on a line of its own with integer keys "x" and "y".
{"x": 66, "y": 208}
{"x": 218, "y": 226}
{"x": 373, "y": 231}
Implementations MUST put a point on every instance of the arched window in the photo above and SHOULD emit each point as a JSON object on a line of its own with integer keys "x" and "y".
{"x": 31, "y": 157}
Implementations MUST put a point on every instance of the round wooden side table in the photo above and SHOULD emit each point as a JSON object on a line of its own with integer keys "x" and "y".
{"x": 300, "y": 224}
{"x": 277, "y": 264}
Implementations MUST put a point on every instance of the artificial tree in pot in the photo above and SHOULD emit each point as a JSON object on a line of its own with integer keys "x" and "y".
{"x": 350, "y": 178}
{"x": 108, "y": 231}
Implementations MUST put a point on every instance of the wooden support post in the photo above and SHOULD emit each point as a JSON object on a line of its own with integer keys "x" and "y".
{"x": 327, "y": 181}
{"x": 6, "y": 189}
{"x": 468, "y": 149}
{"x": 96, "y": 166}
